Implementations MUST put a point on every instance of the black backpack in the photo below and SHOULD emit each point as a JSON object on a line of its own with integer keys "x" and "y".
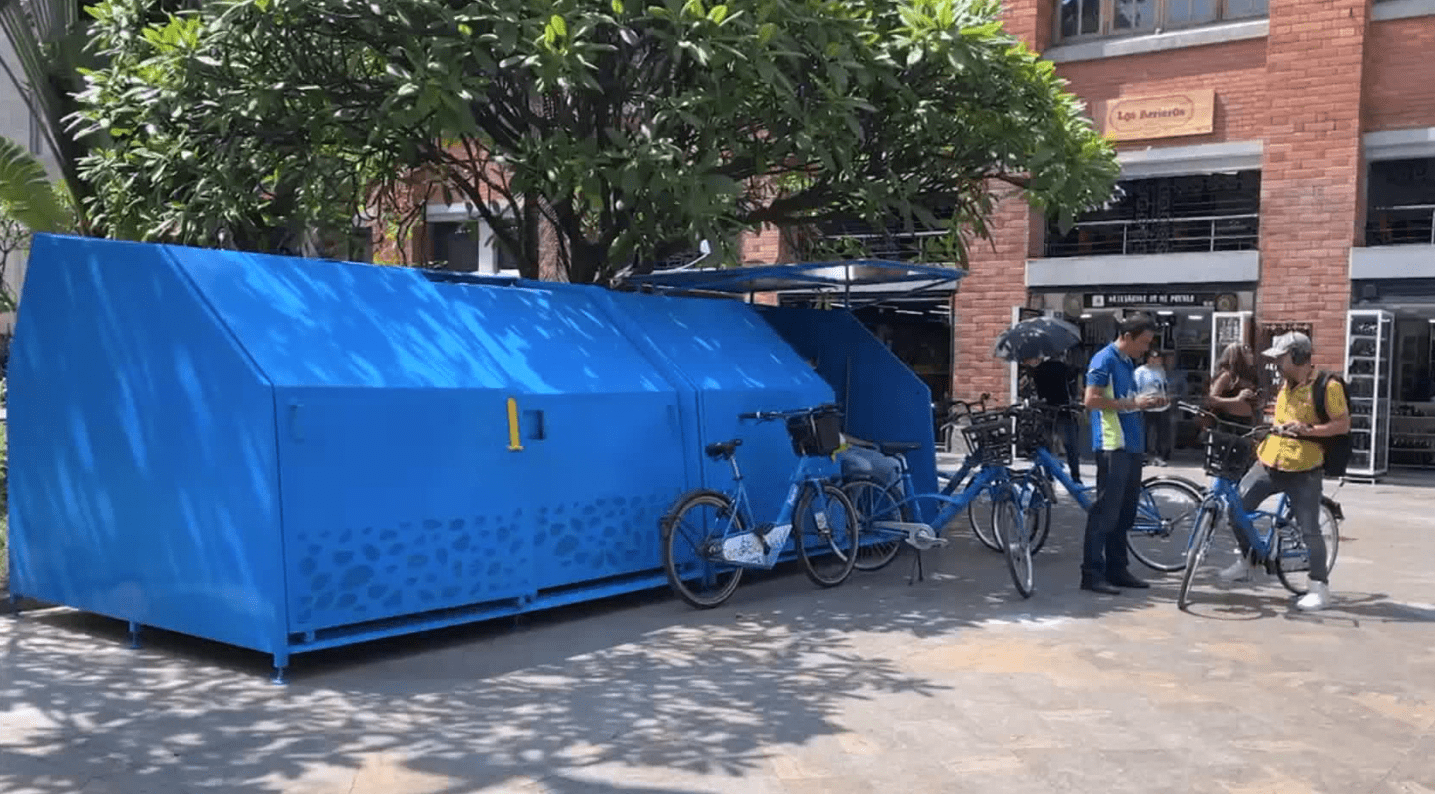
{"x": 1337, "y": 448}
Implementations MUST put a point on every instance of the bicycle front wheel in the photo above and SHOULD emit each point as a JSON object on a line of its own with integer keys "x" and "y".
{"x": 982, "y": 518}
{"x": 1034, "y": 490}
{"x": 1165, "y": 516}
{"x": 693, "y": 534}
{"x": 1204, "y": 528}
{"x": 826, "y": 530}
{"x": 875, "y": 502}
{"x": 1016, "y": 525}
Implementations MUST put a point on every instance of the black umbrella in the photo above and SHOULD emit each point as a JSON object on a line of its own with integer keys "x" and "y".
{"x": 1036, "y": 337}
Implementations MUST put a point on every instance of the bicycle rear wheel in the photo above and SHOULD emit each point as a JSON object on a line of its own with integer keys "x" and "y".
{"x": 1165, "y": 517}
{"x": 1292, "y": 554}
{"x": 827, "y": 534}
{"x": 875, "y": 502}
{"x": 980, "y": 517}
{"x": 1204, "y": 529}
{"x": 693, "y": 533}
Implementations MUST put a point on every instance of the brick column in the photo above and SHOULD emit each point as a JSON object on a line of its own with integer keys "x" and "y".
{"x": 981, "y": 308}
{"x": 996, "y": 280}
{"x": 762, "y": 247}
{"x": 1310, "y": 180}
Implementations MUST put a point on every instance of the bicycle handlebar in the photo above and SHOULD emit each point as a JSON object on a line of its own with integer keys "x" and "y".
{"x": 1248, "y": 431}
{"x": 768, "y": 416}
{"x": 980, "y": 403}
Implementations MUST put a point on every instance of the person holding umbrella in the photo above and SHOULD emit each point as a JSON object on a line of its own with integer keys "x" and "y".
{"x": 1052, "y": 383}
{"x": 1031, "y": 341}
{"x": 1118, "y": 438}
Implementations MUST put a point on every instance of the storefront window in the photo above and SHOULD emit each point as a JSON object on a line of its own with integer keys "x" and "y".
{"x": 1181, "y": 214}
{"x": 1078, "y": 19}
{"x": 1400, "y": 198}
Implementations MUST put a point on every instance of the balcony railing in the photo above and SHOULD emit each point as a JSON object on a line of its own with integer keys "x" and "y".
{"x": 1408, "y": 224}
{"x": 1165, "y": 236}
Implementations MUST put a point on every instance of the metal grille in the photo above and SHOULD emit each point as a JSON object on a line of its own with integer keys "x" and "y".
{"x": 1184, "y": 214}
{"x": 1401, "y": 197}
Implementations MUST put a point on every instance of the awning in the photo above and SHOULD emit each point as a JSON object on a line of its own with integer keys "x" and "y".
{"x": 837, "y": 277}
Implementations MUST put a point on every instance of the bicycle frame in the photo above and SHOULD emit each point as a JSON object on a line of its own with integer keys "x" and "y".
{"x": 987, "y": 475}
{"x": 743, "y": 548}
{"x": 1228, "y": 493}
{"x": 1053, "y": 468}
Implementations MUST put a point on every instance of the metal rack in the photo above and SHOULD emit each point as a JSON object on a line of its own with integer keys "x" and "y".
{"x": 1368, "y": 337}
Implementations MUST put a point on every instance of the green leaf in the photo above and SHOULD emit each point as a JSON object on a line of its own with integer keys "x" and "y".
{"x": 26, "y": 193}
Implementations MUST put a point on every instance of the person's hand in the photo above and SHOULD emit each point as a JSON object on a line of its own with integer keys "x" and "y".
{"x": 1150, "y": 401}
{"x": 1246, "y": 395}
{"x": 1292, "y": 429}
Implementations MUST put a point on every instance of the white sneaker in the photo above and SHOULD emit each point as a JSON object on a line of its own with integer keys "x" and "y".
{"x": 1317, "y": 598}
{"x": 1238, "y": 571}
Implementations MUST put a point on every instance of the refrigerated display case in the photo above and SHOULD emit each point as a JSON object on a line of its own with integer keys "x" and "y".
{"x": 1369, "y": 335}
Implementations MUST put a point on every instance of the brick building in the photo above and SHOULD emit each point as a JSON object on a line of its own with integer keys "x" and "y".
{"x": 1278, "y": 167}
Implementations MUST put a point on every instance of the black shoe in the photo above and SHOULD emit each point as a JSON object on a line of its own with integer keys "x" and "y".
{"x": 1125, "y": 579}
{"x": 1097, "y": 584}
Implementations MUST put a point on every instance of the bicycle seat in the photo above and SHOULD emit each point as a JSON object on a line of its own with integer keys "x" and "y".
{"x": 897, "y": 447}
{"x": 723, "y": 450}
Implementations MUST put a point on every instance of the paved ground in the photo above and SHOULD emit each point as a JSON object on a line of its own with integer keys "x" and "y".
{"x": 952, "y": 685}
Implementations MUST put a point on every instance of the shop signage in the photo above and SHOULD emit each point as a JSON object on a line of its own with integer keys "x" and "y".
{"x": 1114, "y": 300}
{"x": 1229, "y": 330}
{"x": 1270, "y": 373}
{"x": 1132, "y": 118}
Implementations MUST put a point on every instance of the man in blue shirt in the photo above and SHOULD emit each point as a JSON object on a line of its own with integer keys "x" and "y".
{"x": 1119, "y": 444}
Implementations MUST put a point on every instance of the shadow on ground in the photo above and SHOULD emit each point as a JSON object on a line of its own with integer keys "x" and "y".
{"x": 631, "y": 685}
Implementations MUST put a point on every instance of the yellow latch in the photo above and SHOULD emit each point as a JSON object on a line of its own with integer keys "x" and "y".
{"x": 513, "y": 445}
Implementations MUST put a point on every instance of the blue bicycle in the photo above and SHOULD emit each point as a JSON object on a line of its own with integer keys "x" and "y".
{"x": 1158, "y": 536}
{"x": 707, "y": 542}
{"x": 1275, "y": 539}
{"x": 888, "y": 511}
{"x": 872, "y": 494}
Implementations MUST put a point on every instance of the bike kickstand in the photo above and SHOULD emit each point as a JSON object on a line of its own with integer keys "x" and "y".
{"x": 917, "y": 574}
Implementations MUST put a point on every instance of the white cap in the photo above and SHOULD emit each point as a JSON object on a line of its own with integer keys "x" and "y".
{"x": 1288, "y": 343}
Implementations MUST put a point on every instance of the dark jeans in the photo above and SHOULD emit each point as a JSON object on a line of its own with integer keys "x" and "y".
{"x": 1070, "y": 438}
{"x": 1160, "y": 434}
{"x": 1118, "y": 488}
{"x": 1303, "y": 490}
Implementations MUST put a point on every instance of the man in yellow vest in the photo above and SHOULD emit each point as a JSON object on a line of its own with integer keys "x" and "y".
{"x": 1290, "y": 461}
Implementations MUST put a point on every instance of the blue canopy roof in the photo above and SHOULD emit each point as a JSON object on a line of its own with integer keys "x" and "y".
{"x": 800, "y": 276}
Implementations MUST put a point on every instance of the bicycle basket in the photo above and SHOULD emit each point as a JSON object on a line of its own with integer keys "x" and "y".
{"x": 817, "y": 433}
{"x": 989, "y": 437}
{"x": 1228, "y": 455}
{"x": 1033, "y": 430}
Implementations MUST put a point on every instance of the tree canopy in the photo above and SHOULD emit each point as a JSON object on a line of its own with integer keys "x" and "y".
{"x": 609, "y": 133}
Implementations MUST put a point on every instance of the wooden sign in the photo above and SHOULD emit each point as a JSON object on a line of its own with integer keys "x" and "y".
{"x": 1134, "y": 118}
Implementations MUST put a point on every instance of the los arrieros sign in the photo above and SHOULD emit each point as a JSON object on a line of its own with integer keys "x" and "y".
{"x": 1160, "y": 116}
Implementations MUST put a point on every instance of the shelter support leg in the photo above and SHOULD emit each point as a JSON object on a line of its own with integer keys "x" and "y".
{"x": 14, "y": 600}
{"x": 134, "y": 635}
{"x": 281, "y": 667}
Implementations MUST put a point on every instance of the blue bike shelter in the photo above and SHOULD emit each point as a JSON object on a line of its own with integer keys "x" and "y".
{"x": 882, "y": 398}
{"x": 286, "y": 454}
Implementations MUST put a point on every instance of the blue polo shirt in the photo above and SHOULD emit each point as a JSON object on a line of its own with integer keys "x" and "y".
{"x": 1114, "y": 374}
